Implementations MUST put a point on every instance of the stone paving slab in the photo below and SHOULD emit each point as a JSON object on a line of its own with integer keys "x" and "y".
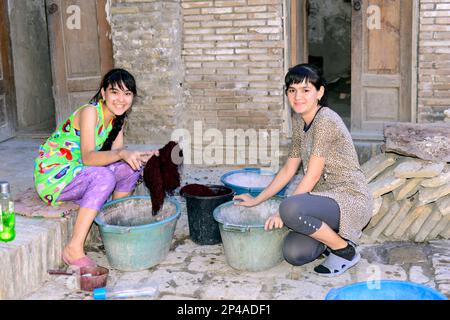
{"x": 192, "y": 271}
{"x": 441, "y": 265}
{"x": 14, "y": 152}
{"x": 200, "y": 272}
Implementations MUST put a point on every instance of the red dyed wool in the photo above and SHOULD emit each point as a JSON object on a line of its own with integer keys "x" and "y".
{"x": 197, "y": 190}
{"x": 161, "y": 175}
{"x": 200, "y": 190}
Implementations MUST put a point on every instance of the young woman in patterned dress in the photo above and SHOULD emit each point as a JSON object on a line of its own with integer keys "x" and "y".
{"x": 332, "y": 203}
{"x": 85, "y": 161}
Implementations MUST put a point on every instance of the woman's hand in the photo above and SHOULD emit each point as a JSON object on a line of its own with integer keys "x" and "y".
{"x": 136, "y": 158}
{"x": 247, "y": 200}
{"x": 273, "y": 222}
{"x": 148, "y": 154}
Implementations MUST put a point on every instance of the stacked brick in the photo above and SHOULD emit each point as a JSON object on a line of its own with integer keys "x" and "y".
{"x": 434, "y": 60}
{"x": 234, "y": 59}
{"x": 411, "y": 198}
{"x": 220, "y": 63}
{"x": 234, "y": 62}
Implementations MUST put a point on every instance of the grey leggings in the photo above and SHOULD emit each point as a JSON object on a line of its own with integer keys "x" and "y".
{"x": 304, "y": 215}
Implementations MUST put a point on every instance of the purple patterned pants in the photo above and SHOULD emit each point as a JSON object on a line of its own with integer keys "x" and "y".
{"x": 92, "y": 187}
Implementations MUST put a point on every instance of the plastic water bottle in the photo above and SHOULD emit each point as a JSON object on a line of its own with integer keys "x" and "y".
{"x": 7, "y": 231}
{"x": 149, "y": 290}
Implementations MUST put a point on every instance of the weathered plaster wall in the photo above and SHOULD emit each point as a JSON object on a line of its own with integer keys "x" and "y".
{"x": 146, "y": 39}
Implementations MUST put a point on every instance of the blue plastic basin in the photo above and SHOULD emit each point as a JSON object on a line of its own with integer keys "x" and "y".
{"x": 254, "y": 191}
{"x": 385, "y": 290}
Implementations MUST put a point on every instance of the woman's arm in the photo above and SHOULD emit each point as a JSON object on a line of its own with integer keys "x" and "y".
{"x": 312, "y": 176}
{"x": 91, "y": 157}
{"x": 281, "y": 179}
{"x": 118, "y": 143}
{"x": 315, "y": 169}
{"x": 127, "y": 156}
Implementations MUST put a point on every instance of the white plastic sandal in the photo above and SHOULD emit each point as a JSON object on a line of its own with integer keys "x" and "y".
{"x": 338, "y": 265}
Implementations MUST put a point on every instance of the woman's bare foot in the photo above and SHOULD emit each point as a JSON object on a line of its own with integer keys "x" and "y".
{"x": 72, "y": 253}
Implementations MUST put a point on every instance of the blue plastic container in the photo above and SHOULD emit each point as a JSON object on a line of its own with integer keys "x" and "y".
{"x": 134, "y": 239}
{"x": 385, "y": 290}
{"x": 254, "y": 191}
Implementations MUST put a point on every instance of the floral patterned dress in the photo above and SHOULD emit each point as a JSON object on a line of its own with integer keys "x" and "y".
{"x": 59, "y": 159}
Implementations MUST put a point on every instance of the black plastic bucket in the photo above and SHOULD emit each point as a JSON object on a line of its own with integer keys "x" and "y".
{"x": 203, "y": 228}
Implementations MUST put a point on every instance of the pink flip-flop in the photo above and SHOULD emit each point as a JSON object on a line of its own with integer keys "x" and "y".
{"x": 81, "y": 262}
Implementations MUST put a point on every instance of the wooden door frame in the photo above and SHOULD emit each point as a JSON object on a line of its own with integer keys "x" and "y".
{"x": 293, "y": 41}
{"x": 8, "y": 73}
{"x": 294, "y": 12}
{"x": 408, "y": 73}
{"x": 106, "y": 47}
{"x": 58, "y": 59}
{"x": 415, "y": 59}
{"x": 299, "y": 46}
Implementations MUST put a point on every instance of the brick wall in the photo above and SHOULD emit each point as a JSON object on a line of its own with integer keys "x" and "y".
{"x": 233, "y": 52}
{"x": 217, "y": 62}
{"x": 222, "y": 63}
{"x": 146, "y": 38}
{"x": 434, "y": 60}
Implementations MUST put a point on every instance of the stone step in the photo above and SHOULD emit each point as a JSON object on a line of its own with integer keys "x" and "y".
{"x": 37, "y": 247}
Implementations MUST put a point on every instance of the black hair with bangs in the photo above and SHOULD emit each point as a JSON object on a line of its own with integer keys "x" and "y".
{"x": 116, "y": 78}
{"x": 124, "y": 81}
{"x": 306, "y": 72}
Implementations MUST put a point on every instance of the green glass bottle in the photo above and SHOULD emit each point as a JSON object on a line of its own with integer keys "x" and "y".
{"x": 7, "y": 221}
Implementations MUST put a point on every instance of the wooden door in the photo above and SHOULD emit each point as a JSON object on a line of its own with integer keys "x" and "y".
{"x": 7, "y": 94}
{"x": 381, "y": 65}
{"x": 81, "y": 51}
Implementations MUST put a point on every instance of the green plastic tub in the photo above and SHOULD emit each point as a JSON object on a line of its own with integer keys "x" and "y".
{"x": 134, "y": 239}
{"x": 247, "y": 246}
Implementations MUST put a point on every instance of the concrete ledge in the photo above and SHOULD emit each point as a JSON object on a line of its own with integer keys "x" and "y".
{"x": 37, "y": 247}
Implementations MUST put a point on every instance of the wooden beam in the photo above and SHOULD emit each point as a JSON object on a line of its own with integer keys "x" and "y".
{"x": 428, "y": 141}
